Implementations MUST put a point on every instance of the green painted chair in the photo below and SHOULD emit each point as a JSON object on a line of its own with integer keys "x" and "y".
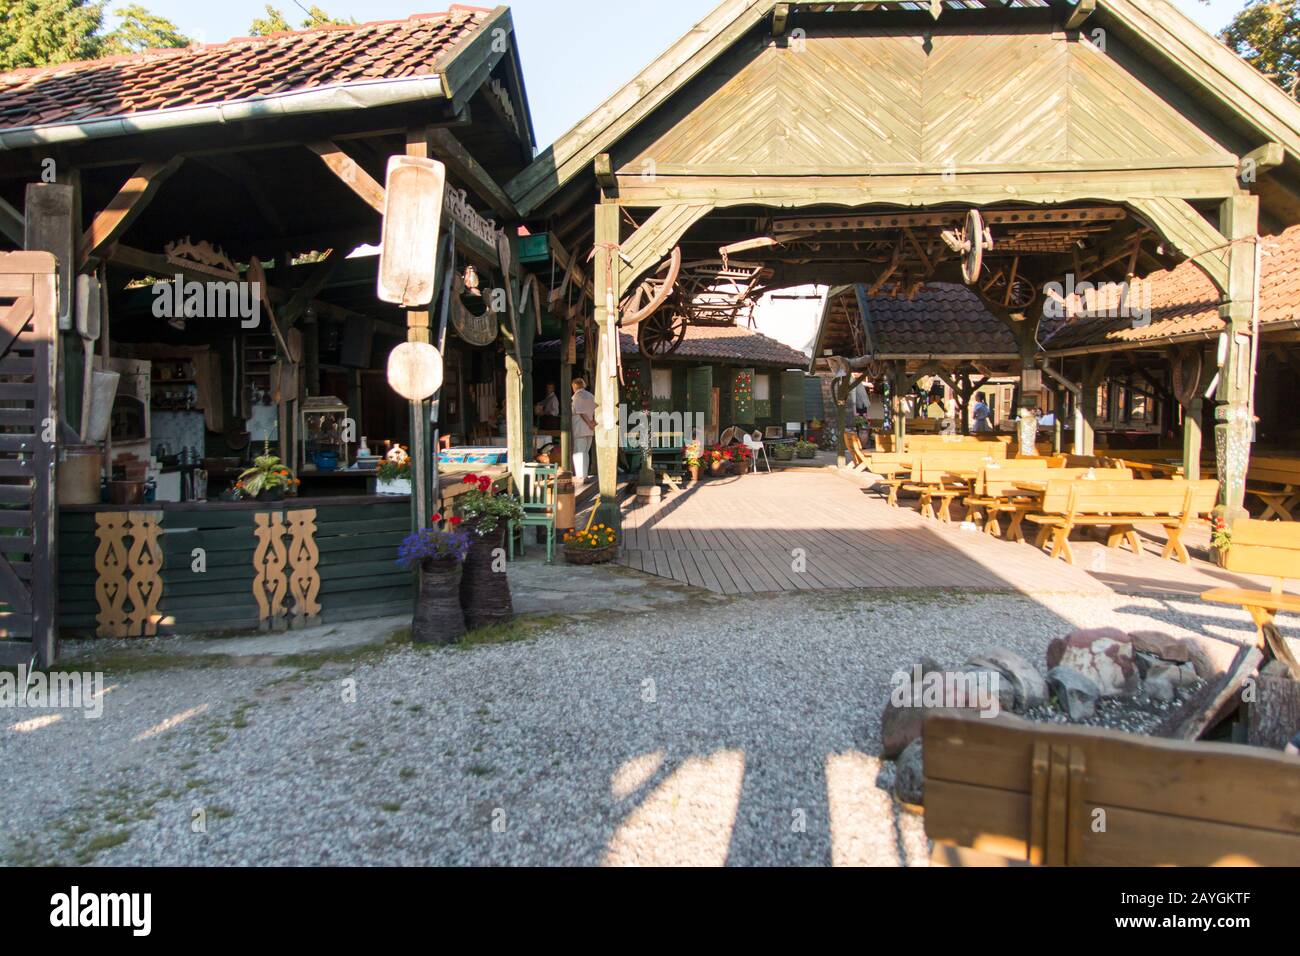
{"x": 539, "y": 500}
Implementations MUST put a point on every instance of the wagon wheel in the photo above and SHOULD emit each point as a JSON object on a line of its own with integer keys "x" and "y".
{"x": 661, "y": 333}
{"x": 653, "y": 291}
{"x": 1023, "y": 293}
{"x": 1188, "y": 369}
{"x": 970, "y": 243}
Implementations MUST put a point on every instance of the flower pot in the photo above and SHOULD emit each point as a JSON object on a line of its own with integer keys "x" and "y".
{"x": 715, "y": 469}
{"x": 397, "y": 487}
{"x": 485, "y": 590}
{"x": 783, "y": 453}
{"x": 587, "y": 557}
{"x": 271, "y": 494}
{"x": 806, "y": 455}
{"x": 694, "y": 471}
{"x": 439, "y": 619}
{"x": 742, "y": 468}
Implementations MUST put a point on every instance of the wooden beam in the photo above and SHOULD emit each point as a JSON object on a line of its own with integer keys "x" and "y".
{"x": 116, "y": 218}
{"x": 350, "y": 172}
{"x": 306, "y": 293}
{"x": 605, "y": 173}
{"x": 1264, "y": 158}
{"x": 780, "y": 19}
{"x": 464, "y": 167}
{"x": 11, "y": 223}
{"x": 1080, "y": 13}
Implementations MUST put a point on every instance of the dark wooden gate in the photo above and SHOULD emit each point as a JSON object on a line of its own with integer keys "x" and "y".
{"x": 28, "y": 433}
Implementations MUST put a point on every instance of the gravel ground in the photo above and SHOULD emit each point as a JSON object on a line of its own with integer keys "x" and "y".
{"x": 741, "y": 732}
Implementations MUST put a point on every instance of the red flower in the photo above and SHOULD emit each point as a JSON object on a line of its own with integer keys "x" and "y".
{"x": 484, "y": 483}
{"x": 470, "y": 480}
{"x": 455, "y": 522}
{"x": 437, "y": 519}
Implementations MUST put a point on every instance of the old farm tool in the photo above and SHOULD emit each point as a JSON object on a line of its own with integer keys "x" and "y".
{"x": 970, "y": 242}
{"x": 707, "y": 292}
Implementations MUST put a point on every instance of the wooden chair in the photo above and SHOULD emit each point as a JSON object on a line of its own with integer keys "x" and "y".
{"x": 861, "y": 461}
{"x": 1273, "y": 550}
{"x": 1122, "y": 506}
{"x": 538, "y": 496}
{"x": 1264, "y": 475}
{"x": 1005, "y": 791}
{"x": 995, "y": 491}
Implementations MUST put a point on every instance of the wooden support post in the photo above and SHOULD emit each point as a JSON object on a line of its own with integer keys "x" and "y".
{"x": 51, "y": 221}
{"x": 566, "y": 397}
{"x": 841, "y": 391}
{"x": 899, "y": 410}
{"x": 418, "y": 324}
{"x": 1192, "y": 439}
{"x": 1239, "y": 222}
{"x": 1086, "y": 420}
{"x": 605, "y": 387}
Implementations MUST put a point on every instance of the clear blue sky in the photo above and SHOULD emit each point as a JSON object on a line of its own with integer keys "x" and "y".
{"x": 575, "y": 52}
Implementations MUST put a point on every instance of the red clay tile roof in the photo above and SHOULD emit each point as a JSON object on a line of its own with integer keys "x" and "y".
{"x": 730, "y": 344}
{"x": 1184, "y": 302}
{"x": 234, "y": 70}
{"x": 943, "y": 319}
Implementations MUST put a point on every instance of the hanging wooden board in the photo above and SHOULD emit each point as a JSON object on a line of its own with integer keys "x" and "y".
{"x": 415, "y": 371}
{"x": 479, "y": 330}
{"x": 413, "y": 210}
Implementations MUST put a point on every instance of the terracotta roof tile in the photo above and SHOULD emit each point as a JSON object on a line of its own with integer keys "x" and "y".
{"x": 221, "y": 72}
{"x": 1184, "y": 301}
{"x": 943, "y": 319}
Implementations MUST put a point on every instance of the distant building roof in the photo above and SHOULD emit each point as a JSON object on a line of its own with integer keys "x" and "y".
{"x": 1184, "y": 303}
{"x": 729, "y": 344}
{"x": 234, "y": 70}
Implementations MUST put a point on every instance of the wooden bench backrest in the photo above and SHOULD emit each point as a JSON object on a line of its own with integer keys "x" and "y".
{"x": 1270, "y": 548}
{"x": 1031, "y": 792}
{"x": 854, "y": 445}
{"x": 923, "y": 443}
{"x": 1157, "y": 498}
{"x": 935, "y": 466}
{"x": 998, "y": 479}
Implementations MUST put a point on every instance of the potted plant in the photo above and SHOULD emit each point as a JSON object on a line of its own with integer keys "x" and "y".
{"x": 718, "y": 459}
{"x": 783, "y": 452}
{"x": 1220, "y": 537}
{"x": 267, "y": 480}
{"x": 485, "y": 587}
{"x": 439, "y": 556}
{"x": 742, "y": 459}
{"x": 596, "y": 545}
{"x": 805, "y": 450}
{"x": 393, "y": 478}
{"x": 694, "y": 457}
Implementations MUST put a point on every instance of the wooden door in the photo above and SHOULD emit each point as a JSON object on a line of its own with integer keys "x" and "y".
{"x": 28, "y": 433}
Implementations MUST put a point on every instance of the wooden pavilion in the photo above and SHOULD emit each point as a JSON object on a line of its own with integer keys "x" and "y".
{"x": 846, "y": 144}
{"x": 258, "y": 160}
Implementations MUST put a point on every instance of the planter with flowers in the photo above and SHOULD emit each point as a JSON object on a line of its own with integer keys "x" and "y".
{"x": 805, "y": 450}
{"x": 485, "y": 587}
{"x": 719, "y": 459}
{"x": 267, "y": 480}
{"x": 596, "y": 545}
{"x": 1220, "y": 537}
{"x": 393, "y": 478}
{"x": 439, "y": 556}
{"x": 742, "y": 459}
{"x": 694, "y": 458}
{"x": 783, "y": 452}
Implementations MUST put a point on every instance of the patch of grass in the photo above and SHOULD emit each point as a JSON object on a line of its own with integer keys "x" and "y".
{"x": 407, "y": 773}
{"x": 481, "y": 770}
{"x": 520, "y": 629}
{"x": 357, "y": 745}
{"x": 390, "y": 807}
{"x": 104, "y": 841}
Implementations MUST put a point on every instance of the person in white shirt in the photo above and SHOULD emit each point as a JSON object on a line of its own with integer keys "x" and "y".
{"x": 551, "y": 403}
{"x": 584, "y": 428}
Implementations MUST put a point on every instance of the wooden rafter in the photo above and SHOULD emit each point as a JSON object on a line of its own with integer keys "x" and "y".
{"x": 350, "y": 172}
{"x": 116, "y": 218}
{"x": 464, "y": 167}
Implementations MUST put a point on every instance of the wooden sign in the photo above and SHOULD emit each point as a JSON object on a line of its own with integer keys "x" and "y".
{"x": 413, "y": 206}
{"x": 415, "y": 371}
{"x": 479, "y": 330}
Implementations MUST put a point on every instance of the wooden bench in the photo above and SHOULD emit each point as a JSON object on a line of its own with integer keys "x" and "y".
{"x": 1122, "y": 506}
{"x": 995, "y": 491}
{"x": 1273, "y": 550}
{"x": 1264, "y": 475}
{"x": 942, "y": 476}
{"x": 1007, "y": 791}
{"x": 1024, "y": 506}
{"x": 860, "y": 461}
{"x": 992, "y": 446}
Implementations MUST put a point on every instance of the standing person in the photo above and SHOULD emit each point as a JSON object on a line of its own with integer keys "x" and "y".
{"x": 584, "y": 428}
{"x": 983, "y": 414}
{"x": 549, "y": 409}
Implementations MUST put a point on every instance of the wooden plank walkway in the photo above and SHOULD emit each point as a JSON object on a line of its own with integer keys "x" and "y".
{"x": 818, "y": 531}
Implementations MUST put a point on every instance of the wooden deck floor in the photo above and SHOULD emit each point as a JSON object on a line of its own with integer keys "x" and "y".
{"x": 811, "y": 531}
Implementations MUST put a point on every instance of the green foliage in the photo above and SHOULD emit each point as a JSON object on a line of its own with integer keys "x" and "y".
{"x": 43, "y": 32}
{"x": 49, "y": 32}
{"x": 276, "y": 22}
{"x": 1267, "y": 34}
{"x": 267, "y": 474}
{"x": 142, "y": 30}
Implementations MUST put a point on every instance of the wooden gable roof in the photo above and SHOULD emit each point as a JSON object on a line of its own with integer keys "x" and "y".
{"x": 1151, "y": 86}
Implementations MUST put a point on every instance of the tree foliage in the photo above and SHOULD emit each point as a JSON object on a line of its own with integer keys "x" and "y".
{"x": 1267, "y": 34}
{"x": 276, "y": 22}
{"x": 47, "y": 32}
